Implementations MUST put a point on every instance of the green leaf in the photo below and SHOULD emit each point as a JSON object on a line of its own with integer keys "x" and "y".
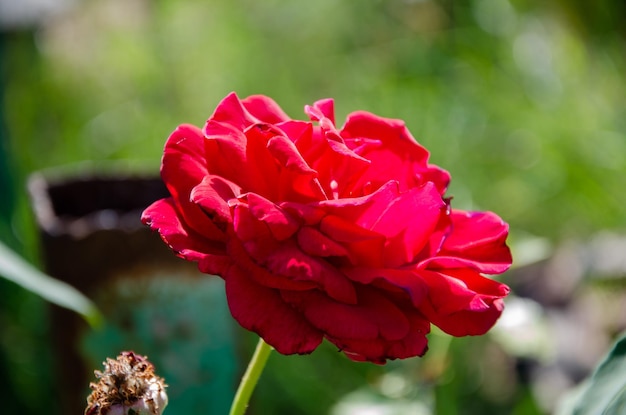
{"x": 605, "y": 392}
{"x": 16, "y": 269}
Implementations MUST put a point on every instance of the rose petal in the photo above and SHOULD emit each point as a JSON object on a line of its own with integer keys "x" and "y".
{"x": 408, "y": 223}
{"x": 315, "y": 243}
{"x": 407, "y": 220}
{"x": 280, "y": 223}
{"x": 393, "y": 152}
{"x": 337, "y": 167}
{"x": 365, "y": 247}
{"x": 297, "y": 181}
{"x": 477, "y": 240}
{"x": 391, "y": 132}
{"x": 261, "y": 275}
{"x": 262, "y": 310}
{"x": 372, "y": 316}
{"x": 379, "y": 351}
{"x": 463, "y": 302}
{"x": 325, "y": 151}
{"x": 467, "y": 322}
{"x": 363, "y": 211}
{"x": 301, "y": 134}
{"x": 242, "y": 157}
{"x": 391, "y": 280}
{"x": 184, "y": 167}
{"x": 285, "y": 259}
{"x": 231, "y": 112}
{"x": 254, "y": 234}
{"x": 438, "y": 234}
{"x": 327, "y": 108}
{"x": 212, "y": 195}
{"x": 319, "y": 113}
{"x": 292, "y": 263}
{"x": 236, "y": 148}
{"x": 308, "y": 214}
{"x": 164, "y": 217}
{"x": 265, "y": 109}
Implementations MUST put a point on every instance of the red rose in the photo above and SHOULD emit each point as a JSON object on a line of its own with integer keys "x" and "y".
{"x": 326, "y": 233}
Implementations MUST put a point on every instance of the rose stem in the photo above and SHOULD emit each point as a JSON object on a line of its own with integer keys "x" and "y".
{"x": 250, "y": 378}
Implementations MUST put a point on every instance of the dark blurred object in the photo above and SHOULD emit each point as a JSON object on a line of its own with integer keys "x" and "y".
{"x": 83, "y": 244}
{"x": 92, "y": 238}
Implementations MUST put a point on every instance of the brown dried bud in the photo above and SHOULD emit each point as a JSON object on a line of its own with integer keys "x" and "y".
{"x": 128, "y": 386}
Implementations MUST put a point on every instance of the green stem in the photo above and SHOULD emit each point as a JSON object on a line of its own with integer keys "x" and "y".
{"x": 250, "y": 378}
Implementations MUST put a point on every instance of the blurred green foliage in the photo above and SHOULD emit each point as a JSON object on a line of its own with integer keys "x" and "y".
{"x": 523, "y": 102}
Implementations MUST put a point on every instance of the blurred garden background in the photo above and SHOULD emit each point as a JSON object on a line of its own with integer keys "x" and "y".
{"x": 523, "y": 101}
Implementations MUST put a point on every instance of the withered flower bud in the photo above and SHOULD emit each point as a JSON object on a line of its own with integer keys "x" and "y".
{"x": 128, "y": 386}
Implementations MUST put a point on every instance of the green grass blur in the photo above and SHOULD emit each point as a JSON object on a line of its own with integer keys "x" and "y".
{"x": 523, "y": 102}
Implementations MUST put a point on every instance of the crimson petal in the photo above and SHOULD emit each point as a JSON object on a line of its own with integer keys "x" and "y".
{"x": 262, "y": 310}
{"x": 393, "y": 152}
{"x": 407, "y": 219}
{"x": 462, "y": 302}
{"x": 212, "y": 195}
{"x": 164, "y": 217}
{"x": 391, "y": 280}
{"x": 477, "y": 240}
{"x": 184, "y": 167}
{"x": 265, "y": 109}
{"x": 379, "y": 351}
{"x": 373, "y": 316}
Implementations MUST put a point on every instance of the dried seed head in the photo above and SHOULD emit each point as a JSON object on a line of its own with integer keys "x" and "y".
{"x": 128, "y": 386}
